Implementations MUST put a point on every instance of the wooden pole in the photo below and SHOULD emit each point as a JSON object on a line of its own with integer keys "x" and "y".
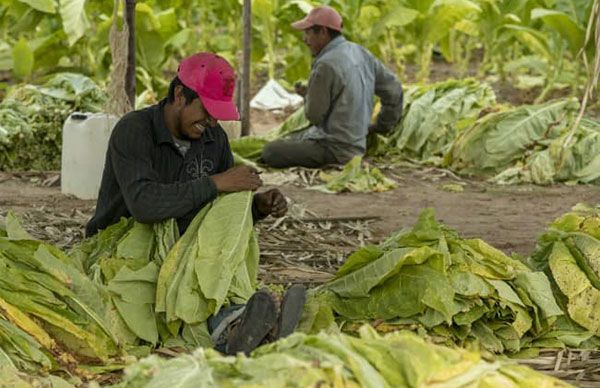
{"x": 130, "y": 73}
{"x": 245, "y": 105}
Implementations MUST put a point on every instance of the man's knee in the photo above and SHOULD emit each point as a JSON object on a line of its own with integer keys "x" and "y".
{"x": 272, "y": 155}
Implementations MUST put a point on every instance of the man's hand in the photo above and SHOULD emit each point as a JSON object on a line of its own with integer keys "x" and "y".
{"x": 239, "y": 178}
{"x": 300, "y": 89}
{"x": 271, "y": 202}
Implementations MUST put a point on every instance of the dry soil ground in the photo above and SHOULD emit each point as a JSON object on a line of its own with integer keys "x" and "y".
{"x": 508, "y": 217}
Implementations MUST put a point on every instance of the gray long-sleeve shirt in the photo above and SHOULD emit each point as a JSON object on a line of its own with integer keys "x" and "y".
{"x": 339, "y": 100}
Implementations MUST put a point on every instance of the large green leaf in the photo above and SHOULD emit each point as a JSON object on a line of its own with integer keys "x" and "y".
{"x": 423, "y": 6}
{"x": 564, "y": 24}
{"x": 135, "y": 293}
{"x": 48, "y": 49}
{"x": 398, "y": 17}
{"x": 356, "y": 176}
{"x": 360, "y": 282}
{"x": 578, "y": 10}
{"x": 537, "y": 284}
{"x": 74, "y": 19}
{"x": 151, "y": 50}
{"x": 223, "y": 240}
{"x": 569, "y": 252}
{"x": 174, "y": 266}
{"x": 214, "y": 262}
{"x": 248, "y": 147}
{"x": 535, "y": 40}
{"x": 445, "y": 15}
{"x": 294, "y": 123}
{"x": 183, "y": 372}
{"x": 14, "y": 229}
{"x": 583, "y": 299}
{"x": 6, "y": 61}
{"x": 48, "y": 6}
{"x": 168, "y": 23}
{"x": 22, "y": 58}
{"x": 11, "y": 377}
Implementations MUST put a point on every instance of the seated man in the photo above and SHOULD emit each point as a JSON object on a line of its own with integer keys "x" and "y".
{"x": 339, "y": 98}
{"x": 171, "y": 159}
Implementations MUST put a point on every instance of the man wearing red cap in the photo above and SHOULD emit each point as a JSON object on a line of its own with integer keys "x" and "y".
{"x": 172, "y": 158}
{"x": 339, "y": 98}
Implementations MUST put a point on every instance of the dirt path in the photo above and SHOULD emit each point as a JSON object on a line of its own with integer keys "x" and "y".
{"x": 508, "y": 217}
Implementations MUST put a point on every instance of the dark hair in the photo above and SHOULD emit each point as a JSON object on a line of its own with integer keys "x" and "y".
{"x": 332, "y": 33}
{"x": 188, "y": 93}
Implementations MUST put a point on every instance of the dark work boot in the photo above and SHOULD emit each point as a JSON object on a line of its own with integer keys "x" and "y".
{"x": 291, "y": 309}
{"x": 257, "y": 320}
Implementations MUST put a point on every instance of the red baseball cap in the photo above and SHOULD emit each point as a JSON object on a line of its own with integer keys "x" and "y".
{"x": 320, "y": 16}
{"x": 213, "y": 79}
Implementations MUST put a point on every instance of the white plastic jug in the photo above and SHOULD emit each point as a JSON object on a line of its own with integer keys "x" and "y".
{"x": 85, "y": 140}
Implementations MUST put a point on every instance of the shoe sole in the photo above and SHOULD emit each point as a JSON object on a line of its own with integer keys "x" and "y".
{"x": 292, "y": 307}
{"x": 257, "y": 321}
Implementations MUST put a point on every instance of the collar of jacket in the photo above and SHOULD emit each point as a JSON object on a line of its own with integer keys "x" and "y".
{"x": 162, "y": 133}
{"x": 335, "y": 42}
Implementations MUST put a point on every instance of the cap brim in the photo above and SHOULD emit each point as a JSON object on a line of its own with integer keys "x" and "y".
{"x": 221, "y": 110}
{"x": 302, "y": 24}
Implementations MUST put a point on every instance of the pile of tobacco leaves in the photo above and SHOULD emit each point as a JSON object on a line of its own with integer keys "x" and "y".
{"x": 32, "y": 119}
{"x": 460, "y": 291}
{"x": 133, "y": 288}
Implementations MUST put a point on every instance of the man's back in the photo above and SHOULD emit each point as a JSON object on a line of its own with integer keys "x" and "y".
{"x": 344, "y": 79}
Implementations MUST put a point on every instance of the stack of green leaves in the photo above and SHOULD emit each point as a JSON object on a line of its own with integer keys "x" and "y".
{"x": 21, "y": 351}
{"x": 295, "y": 122}
{"x": 125, "y": 259}
{"x": 164, "y": 287}
{"x": 248, "y": 149}
{"x": 577, "y": 161}
{"x": 461, "y": 290}
{"x": 10, "y": 377}
{"x": 32, "y": 118}
{"x": 435, "y": 114}
{"x": 129, "y": 287}
{"x": 400, "y": 359}
{"x": 215, "y": 263}
{"x": 356, "y": 177}
{"x": 569, "y": 252}
{"x": 527, "y": 144}
{"x": 51, "y": 314}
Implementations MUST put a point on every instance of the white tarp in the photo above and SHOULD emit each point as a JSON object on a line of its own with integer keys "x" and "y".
{"x": 273, "y": 96}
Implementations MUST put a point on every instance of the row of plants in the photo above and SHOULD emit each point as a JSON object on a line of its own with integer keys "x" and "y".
{"x": 530, "y": 42}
